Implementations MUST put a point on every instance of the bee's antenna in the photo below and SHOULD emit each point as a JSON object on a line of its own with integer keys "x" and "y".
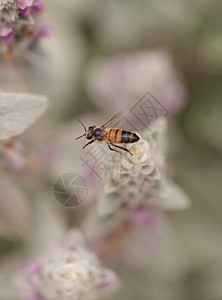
{"x": 82, "y": 125}
{"x": 84, "y": 129}
{"x": 80, "y": 136}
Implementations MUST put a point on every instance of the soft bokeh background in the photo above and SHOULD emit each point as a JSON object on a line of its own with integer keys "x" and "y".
{"x": 183, "y": 68}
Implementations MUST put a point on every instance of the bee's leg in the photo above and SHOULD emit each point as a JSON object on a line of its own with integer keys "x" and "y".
{"x": 90, "y": 142}
{"x": 114, "y": 149}
{"x": 121, "y": 148}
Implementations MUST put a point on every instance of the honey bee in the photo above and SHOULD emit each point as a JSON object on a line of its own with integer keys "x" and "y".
{"x": 111, "y": 136}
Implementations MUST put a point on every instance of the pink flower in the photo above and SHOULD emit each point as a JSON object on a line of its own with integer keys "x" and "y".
{"x": 9, "y": 38}
{"x": 17, "y": 33}
{"x": 43, "y": 32}
{"x": 143, "y": 216}
{"x": 5, "y": 30}
{"x": 112, "y": 281}
{"x": 24, "y": 3}
{"x": 34, "y": 269}
{"x": 25, "y": 12}
{"x": 38, "y": 6}
{"x": 35, "y": 296}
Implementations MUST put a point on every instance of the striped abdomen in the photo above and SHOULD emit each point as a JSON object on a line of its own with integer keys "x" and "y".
{"x": 122, "y": 136}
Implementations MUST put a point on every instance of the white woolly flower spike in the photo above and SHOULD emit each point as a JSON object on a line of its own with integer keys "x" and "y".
{"x": 7, "y": 4}
{"x": 21, "y": 28}
{"x": 141, "y": 179}
{"x": 70, "y": 272}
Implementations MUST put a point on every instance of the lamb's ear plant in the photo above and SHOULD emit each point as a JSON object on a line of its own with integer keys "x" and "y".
{"x": 70, "y": 271}
{"x": 21, "y": 28}
{"x": 17, "y": 113}
{"x": 141, "y": 180}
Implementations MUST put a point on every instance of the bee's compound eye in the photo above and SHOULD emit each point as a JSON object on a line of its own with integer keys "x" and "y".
{"x": 89, "y": 136}
{"x": 89, "y": 133}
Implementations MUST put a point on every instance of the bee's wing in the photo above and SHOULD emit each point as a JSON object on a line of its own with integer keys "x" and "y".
{"x": 114, "y": 121}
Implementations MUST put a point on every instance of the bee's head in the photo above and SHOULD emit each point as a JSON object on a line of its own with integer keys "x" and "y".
{"x": 89, "y": 132}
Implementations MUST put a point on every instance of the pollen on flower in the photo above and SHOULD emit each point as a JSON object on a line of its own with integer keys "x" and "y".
{"x": 140, "y": 151}
{"x": 70, "y": 275}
